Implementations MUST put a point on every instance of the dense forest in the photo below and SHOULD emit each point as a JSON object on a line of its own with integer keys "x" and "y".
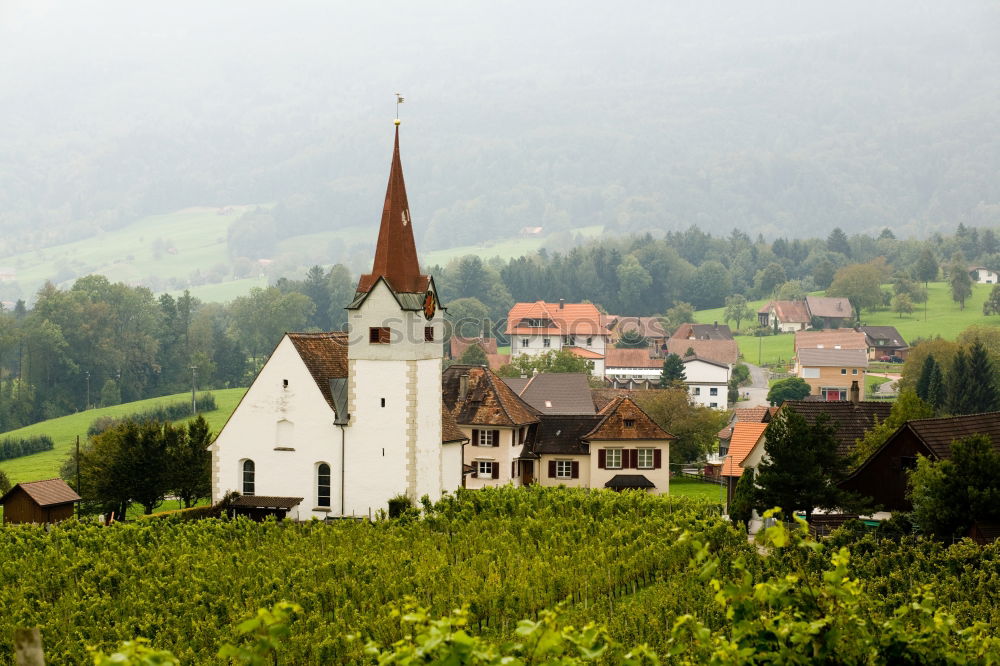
{"x": 777, "y": 117}
{"x": 102, "y": 343}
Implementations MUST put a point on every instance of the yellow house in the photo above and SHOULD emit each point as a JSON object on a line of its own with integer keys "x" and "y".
{"x": 831, "y": 372}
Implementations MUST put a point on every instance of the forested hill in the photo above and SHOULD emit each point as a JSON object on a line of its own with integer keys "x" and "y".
{"x": 776, "y": 117}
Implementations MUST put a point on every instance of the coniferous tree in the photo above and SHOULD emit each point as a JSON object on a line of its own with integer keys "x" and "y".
{"x": 744, "y": 501}
{"x": 924, "y": 381}
{"x": 958, "y": 385}
{"x": 802, "y": 467}
{"x": 673, "y": 371}
{"x": 937, "y": 394}
{"x": 980, "y": 383}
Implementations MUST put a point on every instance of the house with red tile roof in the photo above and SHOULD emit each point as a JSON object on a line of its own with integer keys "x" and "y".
{"x": 746, "y": 435}
{"x": 540, "y": 327}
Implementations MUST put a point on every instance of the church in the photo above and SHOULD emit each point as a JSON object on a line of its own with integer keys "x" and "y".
{"x": 336, "y": 424}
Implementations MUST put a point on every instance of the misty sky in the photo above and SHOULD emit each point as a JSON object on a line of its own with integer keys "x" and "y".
{"x": 100, "y": 98}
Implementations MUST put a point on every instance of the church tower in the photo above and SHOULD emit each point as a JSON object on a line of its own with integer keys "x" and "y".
{"x": 395, "y": 350}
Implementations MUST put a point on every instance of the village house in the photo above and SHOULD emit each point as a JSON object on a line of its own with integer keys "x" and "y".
{"x": 46, "y": 501}
{"x": 790, "y": 316}
{"x": 719, "y": 351}
{"x": 559, "y": 439}
{"x": 833, "y": 312}
{"x": 784, "y": 316}
{"x": 650, "y": 329}
{"x": 884, "y": 341}
{"x": 883, "y": 476}
{"x": 831, "y": 373}
{"x": 982, "y": 275}
{"x": 745, "y": 436}
{"x": 707, "y": 382}
{"x": 702, "y": 332}
{"x": 495, "y": 421}
{"x": 336, "y": 424}
{"x": 540, "y": 327}
{"x": 632, "y": 369}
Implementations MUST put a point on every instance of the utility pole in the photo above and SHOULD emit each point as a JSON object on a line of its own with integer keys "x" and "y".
{"x": 194, "y": 402}
{"x": 78, "y": 472}
{"x": 87, "y": 375}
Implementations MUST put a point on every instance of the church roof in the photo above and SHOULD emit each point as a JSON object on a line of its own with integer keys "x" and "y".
{"x": 396, "y": 253}
{"x": 325, "y": 356}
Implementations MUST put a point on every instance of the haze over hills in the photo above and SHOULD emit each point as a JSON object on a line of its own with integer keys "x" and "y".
{"x": 771, "y": 117}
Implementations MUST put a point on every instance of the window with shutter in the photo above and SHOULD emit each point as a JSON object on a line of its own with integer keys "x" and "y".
{"x": 657, "y": 459}
{"x": 496, "y": 438}
{"x": 484, "y": 469}
{"x": 552, "y": 469}
{"x": 496, "y": 470}
{"x": 645, "y": 458}
{"x": 575, "y": 470}
{"x": 613, "y": 458}
{"x": 602, "y": 458}
{"x": 475, "y": 437}
{"x": 564, "y": 469}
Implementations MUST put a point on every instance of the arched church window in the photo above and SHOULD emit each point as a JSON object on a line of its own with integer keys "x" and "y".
{"x": 322, "y": 485}
{"x": 249, "y": 474}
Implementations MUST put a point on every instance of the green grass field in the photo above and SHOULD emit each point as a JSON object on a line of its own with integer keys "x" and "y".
{"x": 944, "y": 318}
{"x": 684, "y": 487}
{"x": 65, "y": 429}
{"x": 198, "y": 237}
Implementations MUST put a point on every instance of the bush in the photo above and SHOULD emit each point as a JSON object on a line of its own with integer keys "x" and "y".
{"x": 24, "y": 446}
{"x": 173, "y": 412}
{"x": 398, "y": 505}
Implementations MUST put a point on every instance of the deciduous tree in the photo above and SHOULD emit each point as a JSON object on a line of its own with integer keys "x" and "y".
{"x": 790, "y": 388}
{"x": 950, "y": 495}
{"x": 737, "y": 310}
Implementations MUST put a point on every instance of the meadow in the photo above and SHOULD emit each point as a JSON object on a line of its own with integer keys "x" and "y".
{"x": 65, "y": 429}
{"x": 943, "y": 318}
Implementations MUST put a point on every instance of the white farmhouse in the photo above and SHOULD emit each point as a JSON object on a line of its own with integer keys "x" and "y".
{"x": 335, "y": 424}
{"x": 707, "y": 382}
{"x": 983, "y": 275}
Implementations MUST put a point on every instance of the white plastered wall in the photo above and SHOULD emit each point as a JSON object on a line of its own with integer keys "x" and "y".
{"x": 252, "y": 433}
{"x": 659, "y": 477}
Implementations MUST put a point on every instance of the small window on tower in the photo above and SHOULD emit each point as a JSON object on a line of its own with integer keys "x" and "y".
{"x": 378, "y": 335}
{"x": 428, "y": 334}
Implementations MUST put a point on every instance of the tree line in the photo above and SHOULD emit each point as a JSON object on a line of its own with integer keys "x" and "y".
{"x": 693, "y": 269}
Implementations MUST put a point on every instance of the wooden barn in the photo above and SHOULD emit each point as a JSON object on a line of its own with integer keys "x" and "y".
{"x": 46, "y": 501}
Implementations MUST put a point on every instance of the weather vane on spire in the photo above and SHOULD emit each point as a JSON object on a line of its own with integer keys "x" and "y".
{"x": 399, "y": 100}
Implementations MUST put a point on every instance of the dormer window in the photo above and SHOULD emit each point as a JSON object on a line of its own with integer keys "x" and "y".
{"x": 378, "y": 335}
{"x": 629, "y": 423}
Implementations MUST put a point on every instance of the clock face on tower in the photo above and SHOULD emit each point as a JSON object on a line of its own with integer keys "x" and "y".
{"x": 429, "y": 305}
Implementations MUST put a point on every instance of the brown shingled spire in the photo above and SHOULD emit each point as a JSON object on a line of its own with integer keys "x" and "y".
{"x": 396, "y": 253}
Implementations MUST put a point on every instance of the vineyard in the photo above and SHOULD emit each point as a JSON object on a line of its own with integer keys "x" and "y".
{"x": 631, "y": 562}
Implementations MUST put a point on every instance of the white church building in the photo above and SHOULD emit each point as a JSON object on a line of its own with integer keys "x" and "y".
{"x": 336, "y": 424}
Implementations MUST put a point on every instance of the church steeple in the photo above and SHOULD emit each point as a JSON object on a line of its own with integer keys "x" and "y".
{"x": 396, "y": 253}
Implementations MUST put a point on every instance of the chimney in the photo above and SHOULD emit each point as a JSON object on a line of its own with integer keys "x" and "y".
{"x": 562, "y": 303}
{"x": 855, "y": 392}
{"x": 463, "y": 386}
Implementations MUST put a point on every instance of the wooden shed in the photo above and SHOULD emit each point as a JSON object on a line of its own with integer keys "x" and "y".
{"x": 46, "y": 501}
